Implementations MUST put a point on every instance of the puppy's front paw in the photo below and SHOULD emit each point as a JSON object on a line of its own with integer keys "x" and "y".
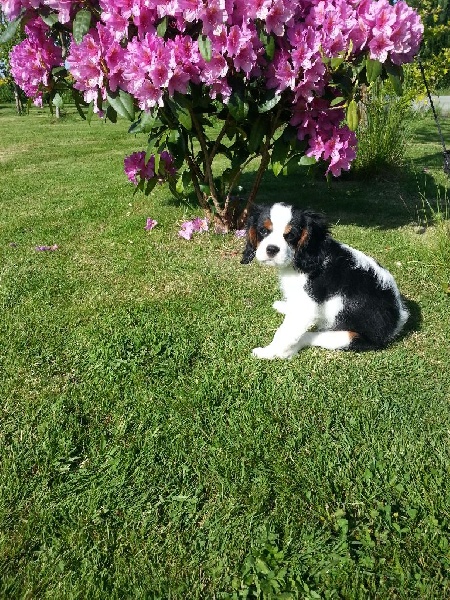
{"x": 268, "y": 353}
{"x": 280, "y": 306}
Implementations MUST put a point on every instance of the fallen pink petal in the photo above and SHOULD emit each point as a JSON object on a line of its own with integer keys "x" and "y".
{"x": 186, "y": 234}
{"x": 46, "y": 248}
{"x": 240, "y": 233}
{"x": 151, "y": 224}
{"x": 200, "y": 224}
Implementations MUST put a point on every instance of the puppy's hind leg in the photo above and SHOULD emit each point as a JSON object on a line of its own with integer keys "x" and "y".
{"x": 331, "y": 340}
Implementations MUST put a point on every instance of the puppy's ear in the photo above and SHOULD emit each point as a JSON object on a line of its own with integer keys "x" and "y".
{"x": 251, "y": 244}
{"x": 312, "y": 232}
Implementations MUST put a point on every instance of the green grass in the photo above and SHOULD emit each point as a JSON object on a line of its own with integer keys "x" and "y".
{"x": 146, "y": 454}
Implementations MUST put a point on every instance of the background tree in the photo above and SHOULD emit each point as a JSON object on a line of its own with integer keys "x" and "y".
{"x": 5, "y": 48}
{"x": 435, "y": 50}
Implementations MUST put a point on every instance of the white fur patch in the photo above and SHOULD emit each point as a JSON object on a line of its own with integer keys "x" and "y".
{"x": 367, "y": 263}
{"x": 281, "y": 216}
{"x": 329, "y": 310}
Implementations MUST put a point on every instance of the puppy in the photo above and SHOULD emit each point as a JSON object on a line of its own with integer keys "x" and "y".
{"x": 347, "y": 297}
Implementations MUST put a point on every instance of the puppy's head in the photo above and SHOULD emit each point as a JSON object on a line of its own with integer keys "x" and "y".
{"x": 283, "y": 236}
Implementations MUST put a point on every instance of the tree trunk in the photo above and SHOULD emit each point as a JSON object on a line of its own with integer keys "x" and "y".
{"x": 18, "y": 99}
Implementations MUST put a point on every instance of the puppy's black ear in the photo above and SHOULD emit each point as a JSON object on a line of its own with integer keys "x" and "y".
{"x": 250, "y": 248}
{"x": 312, "y": 230}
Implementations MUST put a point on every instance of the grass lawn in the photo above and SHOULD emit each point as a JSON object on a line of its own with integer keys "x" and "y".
{"x": 146, "y": 454}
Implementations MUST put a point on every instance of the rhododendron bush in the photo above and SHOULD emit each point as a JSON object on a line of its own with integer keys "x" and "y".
{"x": 216, "y": 86}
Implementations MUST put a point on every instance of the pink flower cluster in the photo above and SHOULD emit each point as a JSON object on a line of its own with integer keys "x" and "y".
{"x": 136, "y": 168}
{"x": 33, "y": 59}
{"x": 395, "y": 31}
{"x": 320, "y": 124}
{"x": 65, "y": 9}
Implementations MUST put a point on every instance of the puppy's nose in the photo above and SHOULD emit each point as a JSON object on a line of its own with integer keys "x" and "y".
{"x": 271, "y": 250}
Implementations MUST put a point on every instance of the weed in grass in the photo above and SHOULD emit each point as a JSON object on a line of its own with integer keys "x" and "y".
{"x": 434, "y": 217}
{"x": 384, "y": 130}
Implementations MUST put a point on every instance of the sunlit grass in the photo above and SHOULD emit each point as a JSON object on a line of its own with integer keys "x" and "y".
{"x": 146, "y": 454}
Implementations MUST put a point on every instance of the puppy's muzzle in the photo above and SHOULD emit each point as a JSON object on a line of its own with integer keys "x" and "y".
{"x": 272, "y": 250}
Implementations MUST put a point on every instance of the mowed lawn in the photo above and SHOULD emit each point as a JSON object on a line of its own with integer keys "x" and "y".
{"x": 146, "y": 454}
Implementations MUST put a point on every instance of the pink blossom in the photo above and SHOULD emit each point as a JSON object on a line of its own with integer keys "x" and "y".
{"x": 135, "y": 165}
{"x": 199, "y": 224}
{"x": 186, "y": 231}
{"x": 188, "y": 228}
{"x": 151, "y": 224}
{"x": 32, "y": 60}
{"x": 96, "y": 64}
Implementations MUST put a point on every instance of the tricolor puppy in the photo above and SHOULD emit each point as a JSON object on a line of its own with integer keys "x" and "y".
{"x": 347, "y": 297}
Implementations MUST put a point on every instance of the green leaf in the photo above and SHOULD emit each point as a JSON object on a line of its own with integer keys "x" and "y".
{"x": 238, "y": 107}
{"x": 146, "y": 123}
{"x": 176, "y": 145}
{"x": 352, "y": 115}
{"x": 336, "y": 62}
{"x": 162, "y": 27}
{"x": 262, "y": 567}
{"x": 79, "y": 103}
{"x": 157, "y": 162}
{"x": 373, "y": 69}
{"x": 179, "y": 187}
{"x": 81, "y": 25}
{"x": 181, "y": 113}
{"x": 396, "y": 84}
{"x": 150, "y": 185}
{"x": 395, "y": 73}
{"x": 205, "y": 47}
{"x": 271, "y": 99}
{"x": 257, "y": 133}
{"x": 11, "y": 29}
{"x": 306, "y": 161}
{"x": 90, "y": 112}
{"x": 111, "y": 114}
{"x": 122, "y": 103}
{"x": 50, "y": 19}
{"x": 337, "y": 101}
{"x": 152, "y": 141}
{"x": 59, "y": 71}
{"x": 280, "y": 153}
{"x": 57, "y": 101}
{"x": 269, "y": 47}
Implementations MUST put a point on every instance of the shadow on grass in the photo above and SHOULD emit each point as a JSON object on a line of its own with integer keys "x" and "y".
{"x": 384, "y": 199}
{"x": 414, "y": 322}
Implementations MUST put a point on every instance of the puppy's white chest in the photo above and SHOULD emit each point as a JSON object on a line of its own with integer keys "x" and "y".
{"x": 293, "y": 287}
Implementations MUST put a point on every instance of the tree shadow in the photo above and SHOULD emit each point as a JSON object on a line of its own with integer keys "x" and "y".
{"x": 387, "y": 198}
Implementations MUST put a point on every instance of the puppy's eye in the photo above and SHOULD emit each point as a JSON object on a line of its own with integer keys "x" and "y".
{"x": 291, "y": 237}
{"x": 263, "y": 232}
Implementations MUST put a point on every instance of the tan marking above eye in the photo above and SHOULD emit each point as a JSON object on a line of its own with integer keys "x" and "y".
{"x": 303, "y": 237}
{"x": 268, "y": 224}
{"x": 287, "y": 229}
